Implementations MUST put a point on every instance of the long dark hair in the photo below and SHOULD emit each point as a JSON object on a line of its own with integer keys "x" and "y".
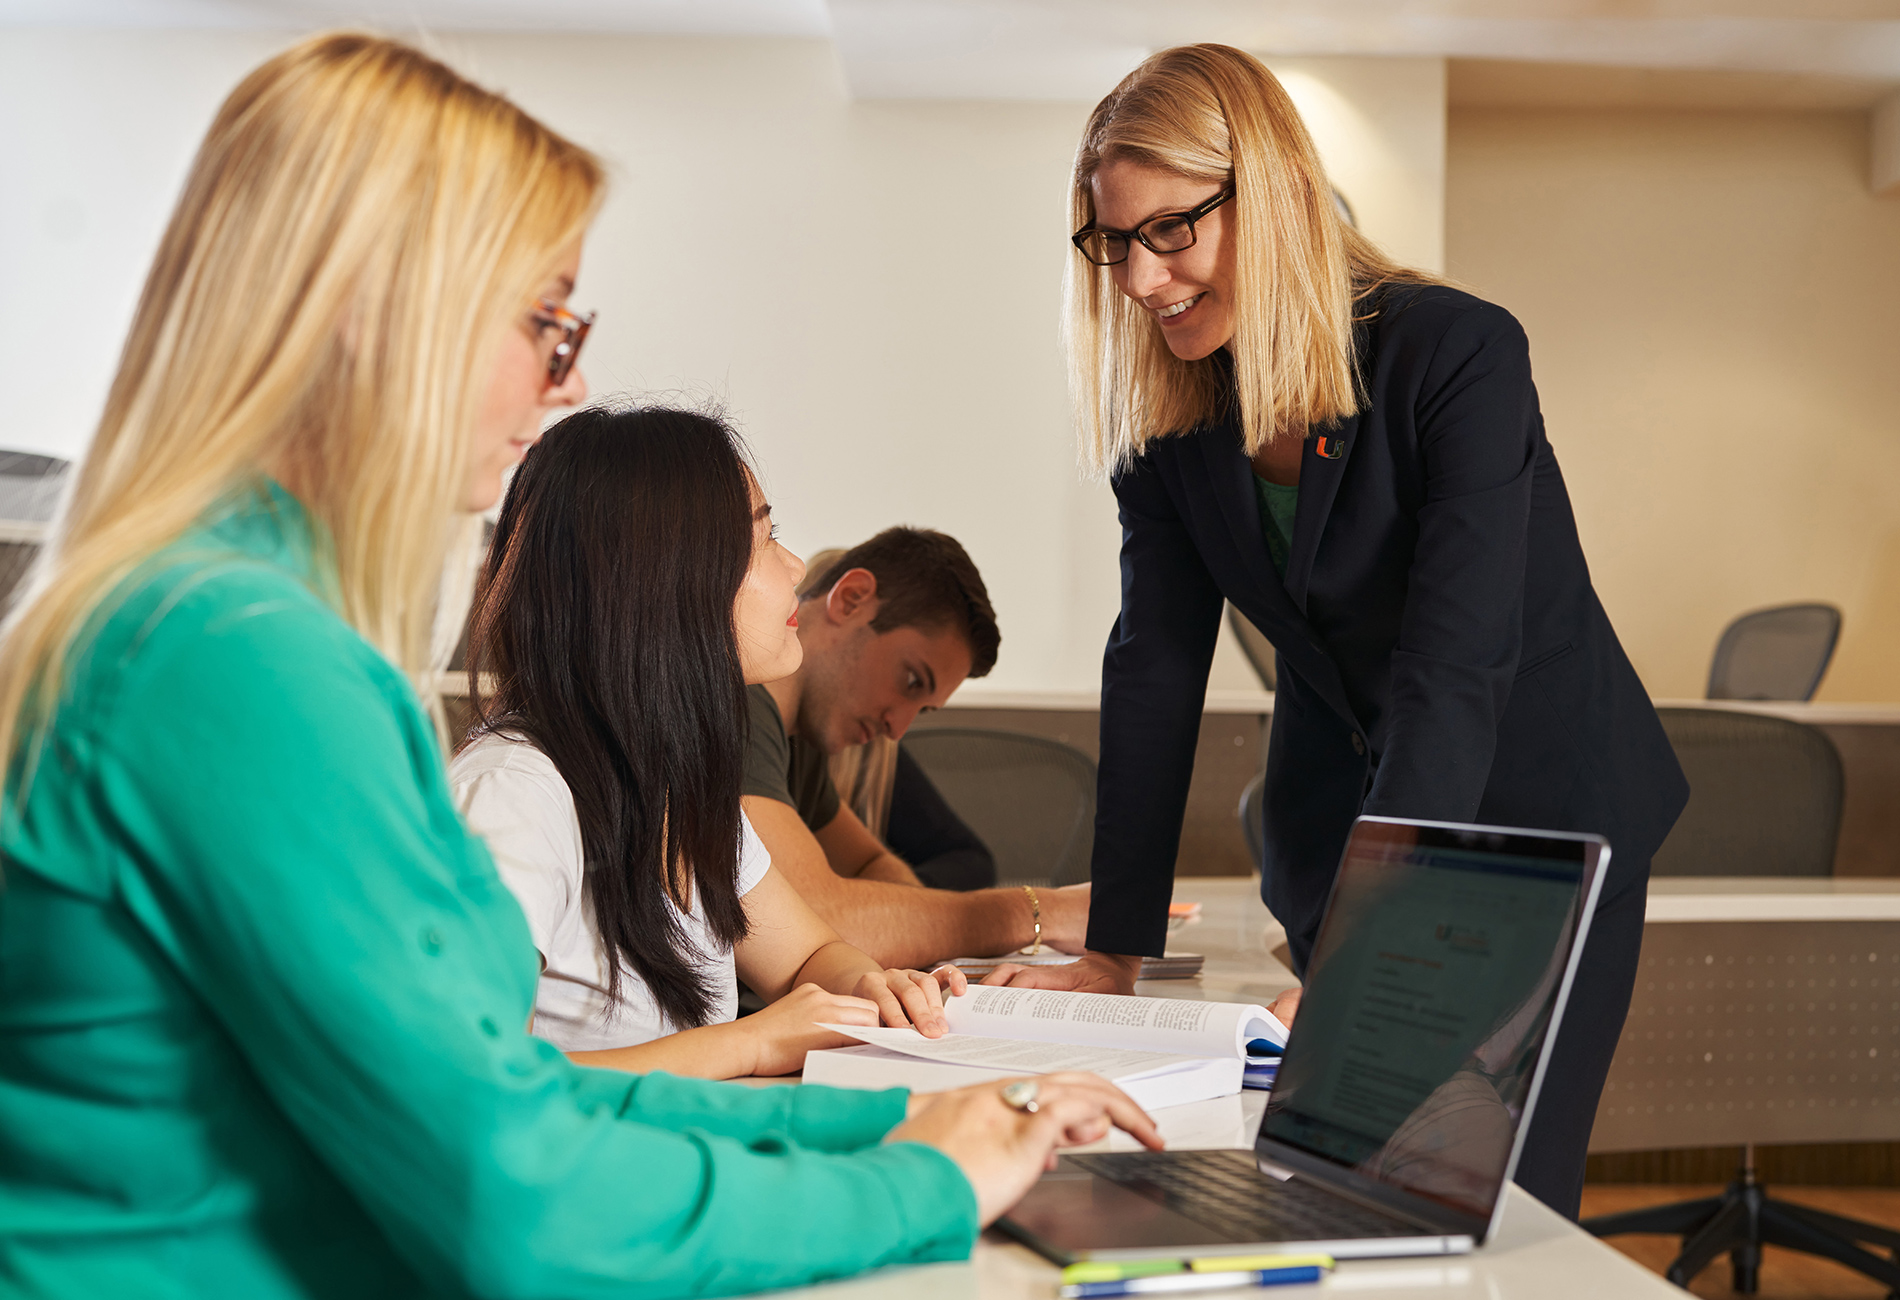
{"x": 605, "y": 613}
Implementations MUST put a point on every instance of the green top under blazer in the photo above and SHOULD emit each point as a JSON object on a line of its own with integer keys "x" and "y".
{"x": 263, "y": 1005}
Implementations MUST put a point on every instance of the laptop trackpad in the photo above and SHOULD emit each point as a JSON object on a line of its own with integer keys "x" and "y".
{"x": 1076, "y": 1212}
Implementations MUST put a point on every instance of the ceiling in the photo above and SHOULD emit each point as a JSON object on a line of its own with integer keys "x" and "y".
{"x": 1682, "y": 53}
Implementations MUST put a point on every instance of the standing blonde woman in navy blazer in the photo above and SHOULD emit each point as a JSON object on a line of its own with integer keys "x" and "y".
{"x": 1352, "y": 453}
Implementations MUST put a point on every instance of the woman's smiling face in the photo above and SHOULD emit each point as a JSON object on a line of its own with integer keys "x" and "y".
{"x": 1188, "y": 294}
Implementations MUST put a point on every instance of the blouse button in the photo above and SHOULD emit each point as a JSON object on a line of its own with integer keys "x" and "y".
{"x": 431, "y": 941}
{"x": 1358, "y": 743}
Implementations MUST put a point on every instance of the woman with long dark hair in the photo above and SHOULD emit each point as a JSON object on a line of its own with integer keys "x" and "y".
{"x": 633, "y": 591}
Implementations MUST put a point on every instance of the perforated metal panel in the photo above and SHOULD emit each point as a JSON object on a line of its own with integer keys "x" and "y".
{"x": 1770, "y": 1031}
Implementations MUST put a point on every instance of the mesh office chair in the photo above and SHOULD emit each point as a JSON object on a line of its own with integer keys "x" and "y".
{"x": 1252, "y": 808}
{"x": 29, "y": 493}
{"x": 1253, "y": 801}
{"x": 1765, "y": 800}
{"x": 1764, "y": 796}
{"x": 1031, "y": 800}
{"x": 1253, "y": 644}
{"x": 1775, "y": 654}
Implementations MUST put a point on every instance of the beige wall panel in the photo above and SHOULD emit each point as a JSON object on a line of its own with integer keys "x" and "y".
{"x": 1709, "y": 298}
{"x": 1379, "y": 125}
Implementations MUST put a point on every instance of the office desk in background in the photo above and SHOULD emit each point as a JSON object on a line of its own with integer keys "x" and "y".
{"x": 1232, "y": 748}
{"x": 1765, "y": 1010}
{"x": 1536, "y": 1255}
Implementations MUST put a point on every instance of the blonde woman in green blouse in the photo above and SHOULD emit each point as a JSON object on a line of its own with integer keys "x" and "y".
{"x": 263, "y": 1001}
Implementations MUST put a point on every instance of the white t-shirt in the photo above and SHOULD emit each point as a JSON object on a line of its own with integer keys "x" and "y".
{"x": 511, "y": 794}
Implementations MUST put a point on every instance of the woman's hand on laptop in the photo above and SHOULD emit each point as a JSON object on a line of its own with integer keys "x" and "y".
{"x": 1093, "y": 972}
{"x": 1002, "y": 1149}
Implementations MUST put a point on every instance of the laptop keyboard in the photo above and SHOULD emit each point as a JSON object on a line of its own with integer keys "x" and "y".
{"x": 1225, "y": 1191}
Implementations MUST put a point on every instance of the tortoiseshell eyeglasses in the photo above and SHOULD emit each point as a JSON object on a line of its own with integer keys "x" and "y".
{"x": 573, "y": 329}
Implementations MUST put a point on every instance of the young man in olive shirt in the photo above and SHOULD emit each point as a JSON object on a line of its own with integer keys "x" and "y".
{"x": 892, "y": 629}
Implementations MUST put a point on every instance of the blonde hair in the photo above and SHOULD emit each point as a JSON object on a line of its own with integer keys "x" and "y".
{"x": 1214, "y": 113}
{"x": 865, "y": 776}
{"x": 359, "y": 224}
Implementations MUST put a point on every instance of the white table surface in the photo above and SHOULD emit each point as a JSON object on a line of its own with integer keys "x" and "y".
{"x": 1772, "y": 898}
{"x": 1536, "y": 1254}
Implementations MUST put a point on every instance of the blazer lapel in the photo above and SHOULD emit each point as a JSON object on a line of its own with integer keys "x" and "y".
{"x": 1232, "y": 480}
{"x": 1322, "y": 465}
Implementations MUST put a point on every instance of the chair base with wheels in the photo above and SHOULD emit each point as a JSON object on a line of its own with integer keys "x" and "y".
{"x": 1743, "y": 1219}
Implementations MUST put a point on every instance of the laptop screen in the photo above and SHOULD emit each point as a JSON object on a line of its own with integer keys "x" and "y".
{"x": 1428, "y": 997}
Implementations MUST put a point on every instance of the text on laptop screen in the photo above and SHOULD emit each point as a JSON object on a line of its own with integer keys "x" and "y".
{"x": 1428, "y": 996}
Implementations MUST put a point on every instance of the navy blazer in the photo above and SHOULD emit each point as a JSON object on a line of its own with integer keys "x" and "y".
{"x": 1441, "y": 652}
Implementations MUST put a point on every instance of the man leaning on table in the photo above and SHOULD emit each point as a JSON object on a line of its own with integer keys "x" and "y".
{"x": 894, "y": 627}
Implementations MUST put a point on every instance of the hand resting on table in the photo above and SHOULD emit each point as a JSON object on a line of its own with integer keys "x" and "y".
{"x": 1105, "y": 972}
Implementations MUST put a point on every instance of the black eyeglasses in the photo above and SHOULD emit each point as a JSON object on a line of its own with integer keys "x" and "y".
{"x": 573, "y": 333}
{"x": 1171, "y": 232}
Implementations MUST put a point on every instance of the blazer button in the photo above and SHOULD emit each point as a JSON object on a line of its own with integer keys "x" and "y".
{"x": 1358, "y": 743}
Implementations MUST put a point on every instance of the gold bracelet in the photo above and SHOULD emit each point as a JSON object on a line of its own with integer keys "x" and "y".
{"x": 1035, "y": 915}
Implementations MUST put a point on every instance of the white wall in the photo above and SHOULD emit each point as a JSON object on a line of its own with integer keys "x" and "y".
{"x": 872, "y": 287}
{"x": 1709, "y": 298}
{"x": 1380, "y": 126}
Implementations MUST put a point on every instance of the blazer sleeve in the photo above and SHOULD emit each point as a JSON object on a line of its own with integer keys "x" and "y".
{"x": 296, "y": 857}
{"x": 1154, "y": 683}
{"x": 1459, "y": 639}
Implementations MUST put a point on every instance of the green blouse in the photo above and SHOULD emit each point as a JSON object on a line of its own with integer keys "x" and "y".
{"x": 263, "y": 1005}
{"x": 1277, "y": 503}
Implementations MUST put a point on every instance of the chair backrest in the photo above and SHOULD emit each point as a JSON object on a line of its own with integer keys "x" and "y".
{"x": 1253, "y": 644}
{"x": 1775, "y": 654}
{"x": 1252, "y": 804}
{"x": 30, "y": 485}
{"x": 1031, "y": 800}
{"x": 1764, "y": 796}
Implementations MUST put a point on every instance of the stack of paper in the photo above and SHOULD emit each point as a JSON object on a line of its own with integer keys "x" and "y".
{"x": 901, "y": 1058}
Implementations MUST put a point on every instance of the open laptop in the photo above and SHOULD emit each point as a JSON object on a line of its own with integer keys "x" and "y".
{"x": 1432, "y": 1000}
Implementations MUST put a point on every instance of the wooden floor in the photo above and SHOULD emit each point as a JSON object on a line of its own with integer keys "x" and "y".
{"x": 1785, "y": 1274}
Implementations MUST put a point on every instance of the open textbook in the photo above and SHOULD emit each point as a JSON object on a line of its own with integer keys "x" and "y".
{"x": 1160, "y": 1051}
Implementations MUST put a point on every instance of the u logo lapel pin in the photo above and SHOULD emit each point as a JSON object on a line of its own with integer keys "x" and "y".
{"x": 1329, "y": 447}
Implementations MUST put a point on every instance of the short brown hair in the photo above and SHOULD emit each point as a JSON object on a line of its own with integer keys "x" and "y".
{"x": 924, "y": 579}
